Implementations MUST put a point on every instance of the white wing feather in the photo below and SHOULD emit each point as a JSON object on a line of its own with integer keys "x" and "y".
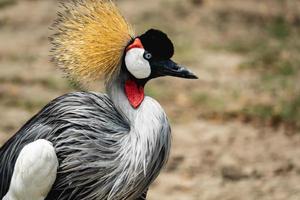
{"x": 34, "y": 173}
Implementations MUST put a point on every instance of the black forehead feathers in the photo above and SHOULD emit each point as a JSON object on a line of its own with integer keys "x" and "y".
{"x": 158, "y": 44}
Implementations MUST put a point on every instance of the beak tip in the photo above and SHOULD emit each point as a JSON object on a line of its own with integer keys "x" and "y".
{"x": 194, "y": 77}
{"x": 170, "y": 68}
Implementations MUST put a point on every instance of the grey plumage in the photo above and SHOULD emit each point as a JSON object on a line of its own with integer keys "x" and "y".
{"x": 103, "y": 153}
{"x": 109, "y": 147}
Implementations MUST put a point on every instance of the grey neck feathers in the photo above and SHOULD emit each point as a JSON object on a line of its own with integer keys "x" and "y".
{"x": 146, "y": 147}
{"x": 115, "y": 90}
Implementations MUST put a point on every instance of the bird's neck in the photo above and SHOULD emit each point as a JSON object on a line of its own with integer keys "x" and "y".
{"x": 145, "y": 148}
{"x": 126, "y": 94}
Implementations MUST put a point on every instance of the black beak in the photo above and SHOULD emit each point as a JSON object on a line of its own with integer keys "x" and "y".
{"x": 170, "y": 68}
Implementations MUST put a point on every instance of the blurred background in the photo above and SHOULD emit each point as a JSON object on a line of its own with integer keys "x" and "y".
{"x": 236, "y": 130}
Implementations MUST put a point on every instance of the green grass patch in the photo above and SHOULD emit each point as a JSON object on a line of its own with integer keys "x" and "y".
{"x": 279, "y": 28}
{"x": 31, "y": 106}
{"x": 158, "y": 90}
{"x": 290, "y": 111}
{"x": 5, "y": 3}
{"x": 280, "y": 59}
{"x": 208, "y": 102}
{"x": 278, "y": 66}
{"x": 264, "y": 112}
{"x": 271, "y": 46}
{"x": 286, "y": 112}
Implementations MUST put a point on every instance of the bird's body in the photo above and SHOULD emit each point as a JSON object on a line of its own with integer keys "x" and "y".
{"x": 96, "y": 145}
{"x": 92, "y": 146}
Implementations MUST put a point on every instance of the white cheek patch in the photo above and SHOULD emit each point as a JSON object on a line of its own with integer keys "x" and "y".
{"x": 136, "y": 64}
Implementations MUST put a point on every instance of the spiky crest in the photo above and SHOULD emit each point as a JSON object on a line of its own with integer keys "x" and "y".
{"x": 89, "y": 39}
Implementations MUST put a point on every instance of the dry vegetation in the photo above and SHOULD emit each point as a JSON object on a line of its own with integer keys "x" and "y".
{"x": 236, "y": 129}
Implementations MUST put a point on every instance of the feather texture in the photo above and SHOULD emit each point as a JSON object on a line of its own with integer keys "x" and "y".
{"x": 101, "y": 155}
{"x": 89, "y": 39}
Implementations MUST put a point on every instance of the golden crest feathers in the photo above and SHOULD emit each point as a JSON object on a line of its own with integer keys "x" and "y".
{"x": 90, "y": 38}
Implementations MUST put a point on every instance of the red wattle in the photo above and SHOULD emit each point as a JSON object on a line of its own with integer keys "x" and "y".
{"x": 134, "y": 92}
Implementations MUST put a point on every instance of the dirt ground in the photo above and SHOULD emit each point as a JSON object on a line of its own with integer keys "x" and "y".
{"x": 218, "y": 152}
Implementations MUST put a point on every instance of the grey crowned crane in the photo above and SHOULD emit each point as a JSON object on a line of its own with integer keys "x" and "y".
{"x": 93, "y": 146}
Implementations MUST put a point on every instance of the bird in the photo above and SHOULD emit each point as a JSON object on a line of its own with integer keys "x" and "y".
{"x": 90, "y": 145}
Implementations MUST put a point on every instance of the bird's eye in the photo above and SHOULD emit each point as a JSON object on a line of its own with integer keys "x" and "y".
{"x": 147, "y": 55}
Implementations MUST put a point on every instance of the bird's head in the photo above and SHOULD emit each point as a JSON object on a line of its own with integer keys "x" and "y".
{"x": 149, "y": 56}
{"x": 92, "y": 39}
